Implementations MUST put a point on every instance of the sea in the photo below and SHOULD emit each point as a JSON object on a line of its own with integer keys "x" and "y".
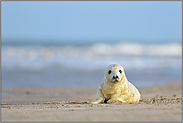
{"x": 73, "y": 64}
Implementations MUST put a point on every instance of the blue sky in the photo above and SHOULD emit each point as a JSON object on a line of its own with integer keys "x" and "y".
{"x": 94, "y": 20}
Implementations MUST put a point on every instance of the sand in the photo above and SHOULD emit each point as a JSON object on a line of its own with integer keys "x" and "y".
{"x": 46, "y": 104}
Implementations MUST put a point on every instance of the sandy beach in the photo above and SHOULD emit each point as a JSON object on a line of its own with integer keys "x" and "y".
{"x": 46, "y": 104}
{"x": 56, "y": 54}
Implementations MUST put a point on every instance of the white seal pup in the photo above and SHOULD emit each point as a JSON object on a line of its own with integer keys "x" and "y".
{"x": 116, "y": 88}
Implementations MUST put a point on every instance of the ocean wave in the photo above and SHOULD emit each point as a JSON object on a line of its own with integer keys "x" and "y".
{"x": 96, "y": 56}
{"x": 97, "y": 49}
{"x": 138, "y": 49}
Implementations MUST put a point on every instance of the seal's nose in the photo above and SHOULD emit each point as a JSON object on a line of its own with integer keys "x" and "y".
{"x": 115, "y": 77}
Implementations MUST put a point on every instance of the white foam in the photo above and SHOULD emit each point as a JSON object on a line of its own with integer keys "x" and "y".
{"x": 96, "y": 56}
{"x": 137, "y": 49}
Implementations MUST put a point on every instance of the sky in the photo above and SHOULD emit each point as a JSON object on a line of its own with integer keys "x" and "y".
{"x": 91, "y": 20}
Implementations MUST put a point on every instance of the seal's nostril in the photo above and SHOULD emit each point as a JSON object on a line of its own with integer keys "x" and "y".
{"x": 113, "y": 77}
{"x": 116, "y": 76}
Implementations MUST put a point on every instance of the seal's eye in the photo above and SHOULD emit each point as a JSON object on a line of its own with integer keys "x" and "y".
{"x": 109, "y": 72}
{"x": 120, "y": 71}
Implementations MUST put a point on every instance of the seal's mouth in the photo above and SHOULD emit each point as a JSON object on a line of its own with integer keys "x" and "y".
{"x": 115, "y": 80}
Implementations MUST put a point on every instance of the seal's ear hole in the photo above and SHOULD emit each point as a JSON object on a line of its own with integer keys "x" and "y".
{"x": 109, "y": 72}
{"x": 120, "y": 71}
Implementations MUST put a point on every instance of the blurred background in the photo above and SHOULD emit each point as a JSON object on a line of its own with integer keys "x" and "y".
{"x": 59, "y": 43}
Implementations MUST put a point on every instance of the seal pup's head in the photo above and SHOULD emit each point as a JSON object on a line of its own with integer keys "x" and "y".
{"x": 115, "y": 73}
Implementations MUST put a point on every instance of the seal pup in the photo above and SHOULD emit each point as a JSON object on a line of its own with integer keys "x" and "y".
{"x": 116, "y": 88}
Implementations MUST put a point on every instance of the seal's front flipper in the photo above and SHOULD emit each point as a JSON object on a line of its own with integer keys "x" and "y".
{"x": 101, "y": 100}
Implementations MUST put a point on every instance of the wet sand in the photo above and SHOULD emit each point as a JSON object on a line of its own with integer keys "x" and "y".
{"x": 30, "y": 104}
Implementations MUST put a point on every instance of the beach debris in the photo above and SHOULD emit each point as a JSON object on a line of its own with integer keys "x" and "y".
{"x": 161, "y": 99}
{"x": 27, "y": 92}
{"x": 5, "y": 106}
{"x": 77, "y": 102}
